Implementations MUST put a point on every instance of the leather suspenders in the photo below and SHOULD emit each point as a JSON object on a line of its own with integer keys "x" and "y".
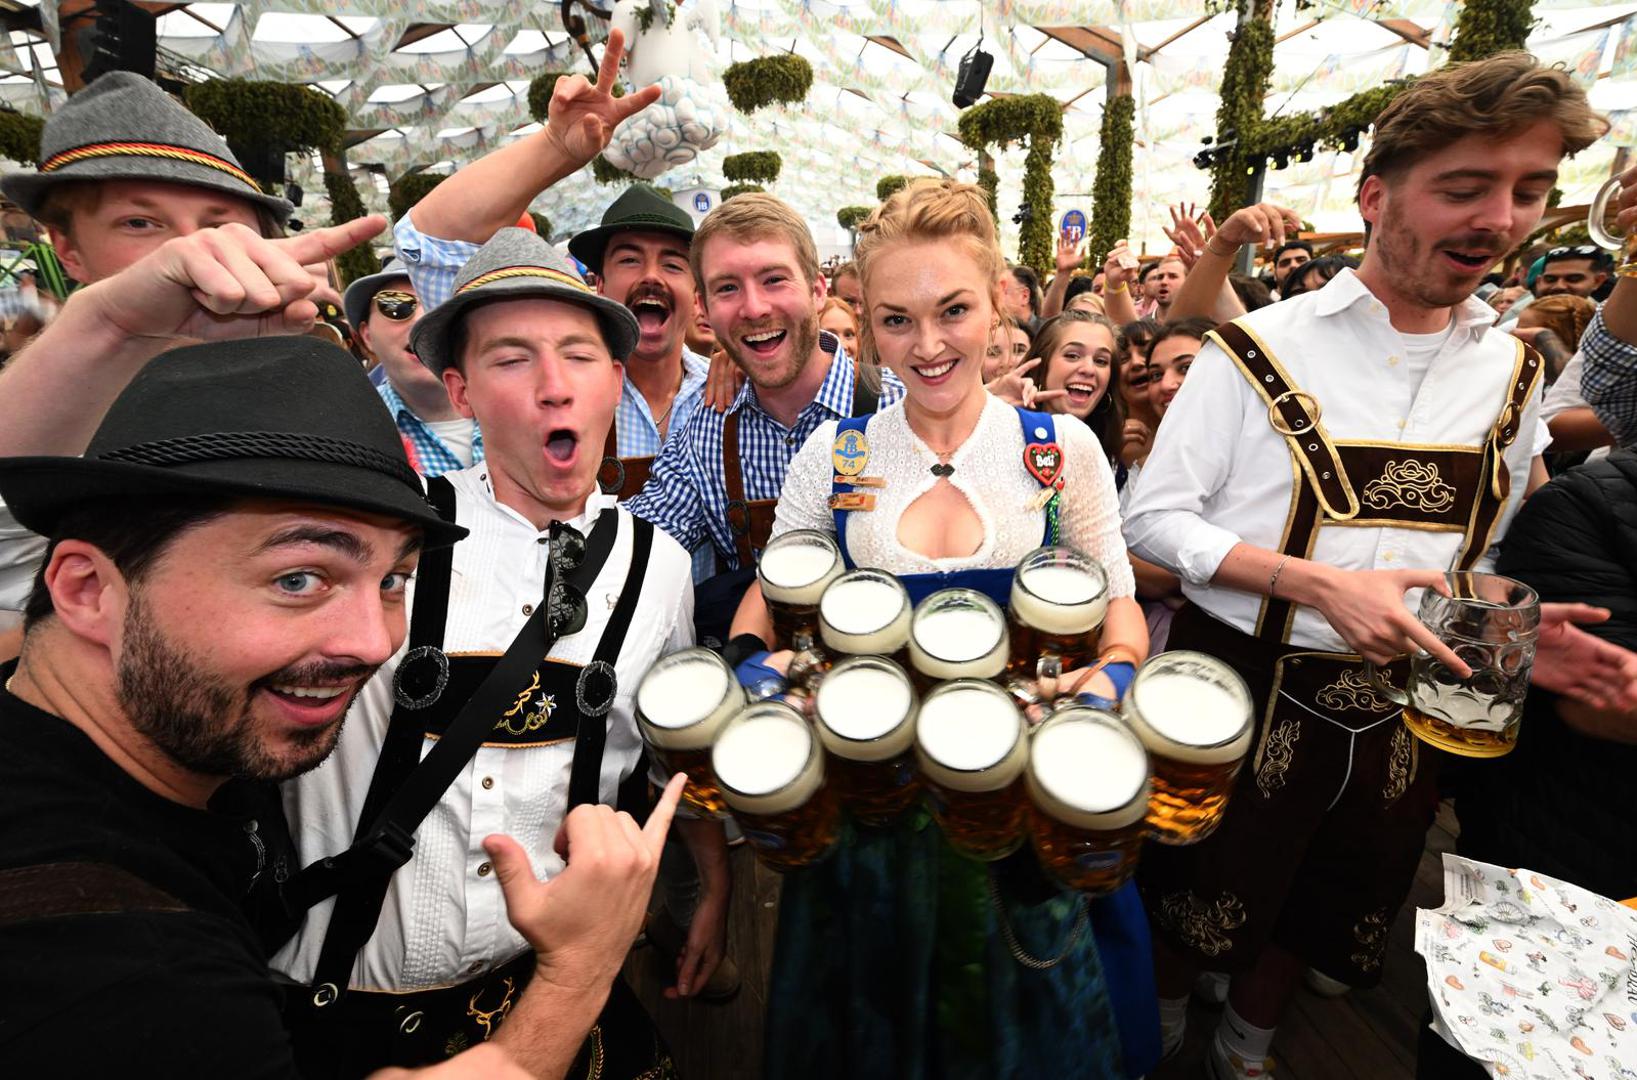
{"x": 621, "y": 476}
{"x": 1402, "y": 485}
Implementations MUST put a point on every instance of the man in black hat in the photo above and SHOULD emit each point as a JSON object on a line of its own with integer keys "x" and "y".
{"x": 384, "y": 308}
{"x": 227, "y": 570}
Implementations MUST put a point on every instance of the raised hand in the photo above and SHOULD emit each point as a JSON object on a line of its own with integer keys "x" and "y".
{"x": 1265, "y": 224}
{"x": 1190, "y": 233}
{"x": 1119, "y": 267}
{"x": 225, "y": 282}
{"x": 582, "y": 117}
{"x": 1068, "y": 254}
{"x": 1575, "y": 664}
{"x": 1016, "y": 388}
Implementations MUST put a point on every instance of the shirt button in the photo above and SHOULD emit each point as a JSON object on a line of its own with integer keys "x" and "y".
{"x": 790, "y": 440}
{"x": 483, "y": 869}
{"x": 1401, "y": 424}
{"x": 488, "y": 782}
{"x": 543, "y": 540}
{"x": 528, "y": 609}
{"x": 1392, "y": 361}
{"x": 1388, "y": 556}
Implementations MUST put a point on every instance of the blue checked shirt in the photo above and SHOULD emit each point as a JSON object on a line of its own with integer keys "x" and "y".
{"x": 432, "y": 457}
{"x": 1609, "y": 380}
{"x": 686, "y": 494}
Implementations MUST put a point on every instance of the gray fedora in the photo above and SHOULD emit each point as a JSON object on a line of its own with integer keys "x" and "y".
{"x": 513, "y": 265}
{"x": 355, "y": 301}
{"x": 639, "y": 208}
{"x": 123, "y": 127}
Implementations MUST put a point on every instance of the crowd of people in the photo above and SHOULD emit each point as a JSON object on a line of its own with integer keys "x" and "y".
{"x": 217, "y": 545}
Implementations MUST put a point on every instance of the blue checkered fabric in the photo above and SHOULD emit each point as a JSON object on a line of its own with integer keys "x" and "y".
{"x": 432, "y": 457}
{"x": 1609, "y": 380}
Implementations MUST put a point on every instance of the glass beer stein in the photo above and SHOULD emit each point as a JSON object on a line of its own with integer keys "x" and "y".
{"x": 957, "y": 634}
{"x": 1491, "y": 623}
{"x": 1088, "y": 783}
{"x": 682, "y": 703}
{"x": 1194, "y": 714}
{"x": 970, "y": 744}
{"x": 865, "y": 612}
{"x": 771, "y": 769}
{"x": 1059, "y": 598}
{"x": 865, "y": 708}
{"x": 1600, "y": 223}
{"x": 794, "y": 570}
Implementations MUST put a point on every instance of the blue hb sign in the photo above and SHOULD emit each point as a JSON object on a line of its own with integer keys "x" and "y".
{"x": 1073, "y": 226}
{"x": 702, "y": 202}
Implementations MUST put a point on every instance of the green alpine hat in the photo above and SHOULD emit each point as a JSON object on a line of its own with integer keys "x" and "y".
{"x": 640, "y": 208}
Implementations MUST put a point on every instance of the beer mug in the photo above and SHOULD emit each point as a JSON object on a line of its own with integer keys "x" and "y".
{"x": 865, "y": 612}
{"x": 794, "y": 570}
{"x": 1059, "y": 598}
{"x": 1491, "y": 623}
{"x": 866, "y": 719}
{"x": 1194, "y": 714}
{"x": 1598, "y": 225}
{"x": 957, "y": 634}
{"x": 771, "y": 769}
{"x": 969, "y": 742}
{"x": 682, "y": 703}
{"x": 1088, "y": 783}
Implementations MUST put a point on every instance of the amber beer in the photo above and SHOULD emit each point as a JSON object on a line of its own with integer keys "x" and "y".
{"x": 865, "y": 613}
{"x": 970, "y": 745}
{"x": 1059, "y": 598}
{"x": 866, "y": 720}
{"x": 681, "y": 705}
{"x": 957, "y": 634}
{"x": 1088, "y": 784}
{"x": 794, "y": 570}
{"x": 771, "y": 768}
{"x": 1194, "y": 715}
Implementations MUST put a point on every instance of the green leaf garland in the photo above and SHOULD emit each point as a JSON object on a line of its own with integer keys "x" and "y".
{"x": 754, "y": 84}
{"x": 738, "y": 189}
{"x": 757, "y": 165}
{"x": 1111, "y": 187}
{"x": 1035, "y": 119}
{"x": 888, "y": 186}
{"x": 20, "y": 136}
{"x": 851, "y": 217}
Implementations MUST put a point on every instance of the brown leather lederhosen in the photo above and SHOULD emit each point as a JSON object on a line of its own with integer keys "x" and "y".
{"x": 621, "y": 476}
{"x": 750, "y": 520}
{"x": 1329, "y": 816}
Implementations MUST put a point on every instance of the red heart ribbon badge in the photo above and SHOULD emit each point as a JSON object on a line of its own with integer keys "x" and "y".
{"x": 1044, "y": 462}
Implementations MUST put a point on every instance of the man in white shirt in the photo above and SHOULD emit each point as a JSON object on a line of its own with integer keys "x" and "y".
{"x": 1297, "y": 537}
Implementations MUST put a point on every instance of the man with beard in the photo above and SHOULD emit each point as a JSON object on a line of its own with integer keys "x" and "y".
{"x": 227, "y": 567}
{"x": 1575, "y": 271}
{"x": 1162, "y": 284}
{"x": 757, "y": 268}
{"x": 1295, "y": 551}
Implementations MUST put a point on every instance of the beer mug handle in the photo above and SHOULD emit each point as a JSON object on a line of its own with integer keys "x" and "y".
{"x": 1594, "y": 218}
{"x": 1379, "y": 680}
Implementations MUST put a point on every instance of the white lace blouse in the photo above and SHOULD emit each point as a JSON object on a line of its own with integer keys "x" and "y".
{"x": 989, "y": 471}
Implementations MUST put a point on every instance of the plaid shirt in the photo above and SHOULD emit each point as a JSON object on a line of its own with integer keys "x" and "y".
{"x": 1609, "y": 381}
{"x": 686, "y": 495}
{"x": 427, "y": 452}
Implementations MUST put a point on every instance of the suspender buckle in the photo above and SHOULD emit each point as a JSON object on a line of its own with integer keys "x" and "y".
{"x": 738, "y": 517}
{"x": 611, "y": 475}
{"x": 1506, "y": 426}
{"x": 386, "y": 849}
{"x": 1309, "y": 419}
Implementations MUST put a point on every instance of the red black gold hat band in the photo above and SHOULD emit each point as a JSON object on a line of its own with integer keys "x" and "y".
{"x": 147, "y": 149}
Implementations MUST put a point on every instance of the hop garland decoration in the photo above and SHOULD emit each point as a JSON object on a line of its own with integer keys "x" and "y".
{"x": 1111, "y": 187}
{"x": 1493, "y": 26}
{"x": 406, "y": 191}
{"x": 989, "y": 181}
{"x": 739, "y": 189}
{"x": 888, "y": 186}
{"x": 754, "y": 84}
{"x": 1036, "y": 119}
{"x": 851, "y": 217}
{"x": 757, "y": 165}
{"x": 606, "y": 172}
{"x": 542, "y": 86}
{"x": 20, "y": 136}
{"x": 345, "y": 205}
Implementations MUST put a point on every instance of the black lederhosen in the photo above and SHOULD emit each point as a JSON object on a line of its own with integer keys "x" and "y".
{"x": 1328, "y": 818}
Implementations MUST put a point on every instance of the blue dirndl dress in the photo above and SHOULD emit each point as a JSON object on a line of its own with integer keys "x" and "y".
{"x": 899, "y": 958}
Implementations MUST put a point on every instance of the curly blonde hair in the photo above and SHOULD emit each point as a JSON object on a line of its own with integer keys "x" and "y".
{"x": 931, "y": 211}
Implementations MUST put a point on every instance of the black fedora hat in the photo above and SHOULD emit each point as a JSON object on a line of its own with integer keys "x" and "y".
{"x": 639, "y": 209}
{"x": 288, "y": 418}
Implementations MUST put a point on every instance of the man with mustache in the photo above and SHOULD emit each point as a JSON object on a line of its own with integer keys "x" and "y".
{"x": 228, "y": 566}
{"x": 1297, "y": 537}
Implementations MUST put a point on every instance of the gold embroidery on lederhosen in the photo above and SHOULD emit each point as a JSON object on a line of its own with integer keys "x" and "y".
{"x": 1370, "y": 934}
{"x": 1402, "y": 758}
{"x": 1413, "y": 485}
{"x": 1203, "y": 926}
{"x": 1273, "y": 760}
{"x": 1351, "y": 690}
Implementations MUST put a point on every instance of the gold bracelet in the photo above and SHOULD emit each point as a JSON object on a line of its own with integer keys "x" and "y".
{"x": 1274, "y": 580}
{"x": 1220, "y": 254}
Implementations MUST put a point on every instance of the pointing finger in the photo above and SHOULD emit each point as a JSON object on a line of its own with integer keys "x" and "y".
{"x": 319, "y": 245}
{"x": 659, "y": 822}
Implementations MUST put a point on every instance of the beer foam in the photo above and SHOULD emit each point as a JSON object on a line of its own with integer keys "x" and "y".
{"x": 683, "y": 693}
{"x": 765, "y": 760}
{"x": 796, "y": 573}
{"x": 1059, "y": 600}
{"x": 1089, "y": 766}
{"x": 952, "y": 643}
{"x": 864, "y": 613}
{"x": 863, "y": 702}
{"x": 967, "y": 728}
{"x": 1185, "y": 718}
